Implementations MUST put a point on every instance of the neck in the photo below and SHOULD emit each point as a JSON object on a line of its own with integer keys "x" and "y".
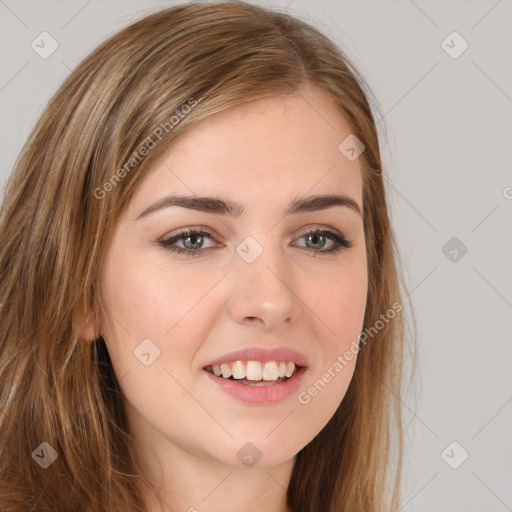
{"x": 187, "y": 482}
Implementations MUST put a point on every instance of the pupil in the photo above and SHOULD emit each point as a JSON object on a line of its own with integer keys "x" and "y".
{"x": 196, "y": 246}
{"x": 316, "y": 236}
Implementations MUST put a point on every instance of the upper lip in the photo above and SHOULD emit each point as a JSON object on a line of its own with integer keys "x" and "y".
{"x": 262, "y": 354}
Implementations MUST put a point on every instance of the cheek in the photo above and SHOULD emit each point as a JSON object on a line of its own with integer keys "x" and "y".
{"x": 147, "y": 299}
{"x": 344, "y": 309}
{"x": 339, "y": 305}
{"x": 152, "y": 332}
{"x": 325, "y": 387}
{"x": 153, "y": 310}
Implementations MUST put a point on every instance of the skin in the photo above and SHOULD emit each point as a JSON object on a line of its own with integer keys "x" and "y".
{"x": 263, "y": 154}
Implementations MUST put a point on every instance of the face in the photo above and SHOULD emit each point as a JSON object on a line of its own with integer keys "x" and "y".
{"x": 277, "y": 291}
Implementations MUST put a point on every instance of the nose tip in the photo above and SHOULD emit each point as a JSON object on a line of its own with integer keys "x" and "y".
{"x": 261, "y": 293}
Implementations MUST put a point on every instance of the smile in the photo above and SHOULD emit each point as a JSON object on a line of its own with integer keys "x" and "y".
{"x": 255, "y": 373}
{"x": 258, "y": 375}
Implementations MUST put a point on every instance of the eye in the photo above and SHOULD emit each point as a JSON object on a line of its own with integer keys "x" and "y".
{"x": 318, "y": 237}
{"x": 193, "y": 241}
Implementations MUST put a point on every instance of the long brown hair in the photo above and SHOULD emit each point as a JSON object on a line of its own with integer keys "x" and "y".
{"x": 145, "y": 87}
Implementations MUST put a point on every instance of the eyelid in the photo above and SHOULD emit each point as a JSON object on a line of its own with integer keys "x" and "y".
{"x": 319, "y": 227}
{"x": 182, "y": 231}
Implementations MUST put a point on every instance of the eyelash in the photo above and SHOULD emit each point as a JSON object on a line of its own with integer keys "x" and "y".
{"x": 340, "y": 242}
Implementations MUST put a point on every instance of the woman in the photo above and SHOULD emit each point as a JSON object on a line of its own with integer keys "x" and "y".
{"x": 199, "y": 295}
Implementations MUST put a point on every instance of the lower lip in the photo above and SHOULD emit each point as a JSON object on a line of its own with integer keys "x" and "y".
{"x": 263, "y": 395}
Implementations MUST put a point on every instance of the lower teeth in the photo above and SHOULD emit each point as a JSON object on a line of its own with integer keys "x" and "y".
{"x": 262, "y": 382}
{"x": 259, "y": 382}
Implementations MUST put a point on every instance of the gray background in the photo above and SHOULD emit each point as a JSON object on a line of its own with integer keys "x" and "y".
{"x": 447, "y": 151}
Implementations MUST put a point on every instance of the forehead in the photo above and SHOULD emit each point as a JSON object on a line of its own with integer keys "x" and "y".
{"x": 271, "y": 149}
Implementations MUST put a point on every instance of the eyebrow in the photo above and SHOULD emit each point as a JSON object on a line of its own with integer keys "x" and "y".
{"x": 221, "y": 206}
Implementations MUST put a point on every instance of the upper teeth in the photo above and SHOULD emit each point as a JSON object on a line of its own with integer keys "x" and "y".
{"x": 255, "y": 370}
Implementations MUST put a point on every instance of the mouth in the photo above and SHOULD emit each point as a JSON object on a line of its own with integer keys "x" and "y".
{"x": 258, "y": 375}
{"x": 255, "y": 373}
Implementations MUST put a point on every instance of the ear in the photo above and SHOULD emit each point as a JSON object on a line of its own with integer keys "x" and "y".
{"x": 85, "y": 328}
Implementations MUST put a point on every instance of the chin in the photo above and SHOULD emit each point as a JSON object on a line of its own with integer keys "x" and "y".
{"x": 260, "y": 450}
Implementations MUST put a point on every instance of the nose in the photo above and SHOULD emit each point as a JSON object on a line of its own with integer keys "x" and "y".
{"x": 263, "y": 291}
